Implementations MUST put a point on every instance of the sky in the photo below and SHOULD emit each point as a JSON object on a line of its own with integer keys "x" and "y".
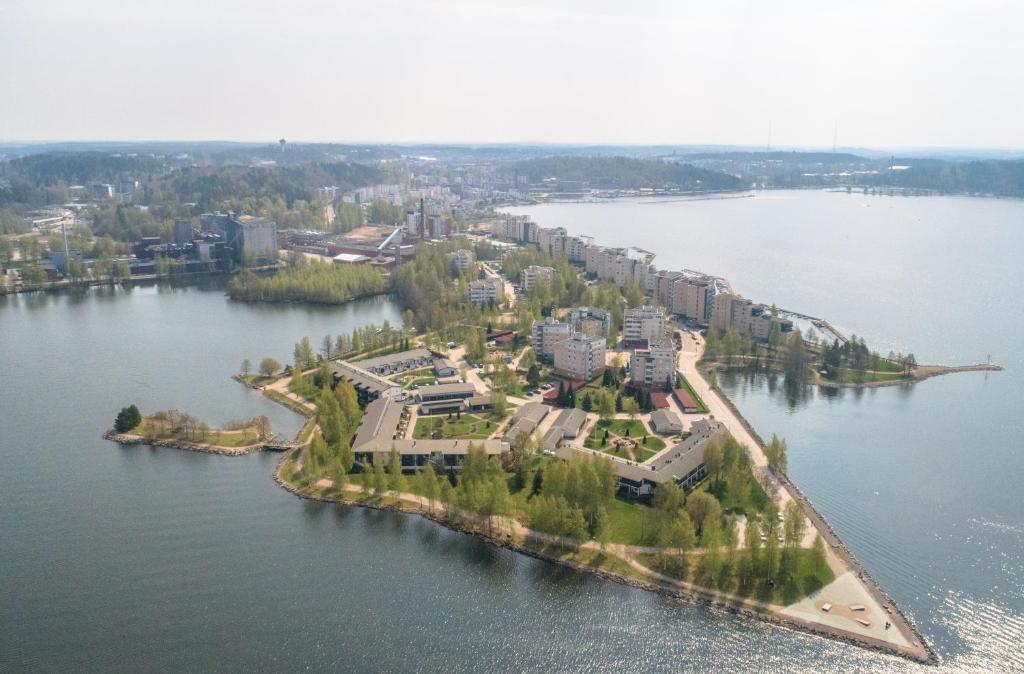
{"x": 873, "y": 73}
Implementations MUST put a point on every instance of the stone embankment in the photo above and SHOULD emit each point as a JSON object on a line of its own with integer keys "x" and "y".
{"x": 131, "y": 439}
{"x": 686, "y": 592}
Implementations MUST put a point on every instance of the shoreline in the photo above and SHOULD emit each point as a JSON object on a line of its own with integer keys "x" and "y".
{"x": 130, "y": 439}
{"x": 695, "y": 595}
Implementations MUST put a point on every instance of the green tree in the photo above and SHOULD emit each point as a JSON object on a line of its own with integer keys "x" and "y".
{"x": 268, "y": 366}
{"x": 396, "y": 481}
{"x": 127, "y": 419}
{"x": 702, "y": 507}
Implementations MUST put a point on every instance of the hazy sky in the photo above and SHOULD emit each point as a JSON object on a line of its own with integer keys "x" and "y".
{"x": 890, "y": 73}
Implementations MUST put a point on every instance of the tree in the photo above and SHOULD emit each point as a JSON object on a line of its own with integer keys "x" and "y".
{"x": 428, "y": 485}
{"x": 304, "y": 353}
{"x": 268, "y": 366}
{"x": 396, "y": 482}
{"x": 533, "y": 375}
{"x": 380, "y": 480}
{"x": 127, "y": 419}
{"x": 714, "y": 461}
{"x": 605, "y": 405}
{"x": 326, "y": 347}
{"x": 702, "y": 506}
{"x": 776, "y": 453}
{"x": 678, "y": 536}
{"x": 246, "y": 367}
{"x": 795, "y": 524}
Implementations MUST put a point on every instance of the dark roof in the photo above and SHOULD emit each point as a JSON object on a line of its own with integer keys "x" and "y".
{"x": 684, "y": 398}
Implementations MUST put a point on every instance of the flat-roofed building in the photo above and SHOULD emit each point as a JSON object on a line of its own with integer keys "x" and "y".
{"x": 580, "y": 357}
{"x": 547, "y": 334}
{"x": 591, "y": 321}
{"x": 445, "y": 367}
{"x": 411, "y": 359}
{"x": 641, "y": 324}
{"x": 655, "y": 365}
{"x": 443, "y": 454}
{"x": 489, "y": 290}
{"x": 437, "y": 392}
{"x": 535, "y": 273}
{"x": 462, "y": 260}
{"x": 666, "y": 422}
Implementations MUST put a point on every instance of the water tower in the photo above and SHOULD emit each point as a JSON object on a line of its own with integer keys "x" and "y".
{"x": 282, "y": 142}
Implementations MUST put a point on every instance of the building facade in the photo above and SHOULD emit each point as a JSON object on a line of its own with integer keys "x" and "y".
{"x": 641, "y": 324}
{"x": 462, "y": 260}
{"x": 546, "y": 336}
{"x": 487, "y": 291}
{"x": 580, "y": 357}
{"x": 655, "y": 365}
{"x": 535, "y": 273}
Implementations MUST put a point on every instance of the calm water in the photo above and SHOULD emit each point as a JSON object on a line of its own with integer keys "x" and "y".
{"x": 135, "y": 558}
{"x": 924, "y": 484}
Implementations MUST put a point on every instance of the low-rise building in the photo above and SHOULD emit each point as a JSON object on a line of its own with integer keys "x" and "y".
{"x": 580, "y": 357}
{"x": 682, "y": 464}
{"x": 547, "y": 334}
{"x": 665, "y": 422}
{"x": 641, "y": 324}
{"x": 438, "y": 392}
{"x": 526, "y": 419}
{"x": 655, "y": 365}
{"x": 535, "y": 273}
{"x": 444, "y": 367}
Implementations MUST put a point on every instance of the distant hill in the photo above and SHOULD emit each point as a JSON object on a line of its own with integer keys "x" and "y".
{"x": 622, "y": 173}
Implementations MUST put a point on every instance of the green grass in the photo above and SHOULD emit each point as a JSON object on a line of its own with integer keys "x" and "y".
{"x": 848, "y": 376}
{"x": 701, "y": 407}
{"x": 470, "y": 426}
{"x": 293, "y": 405}
{"x": 624, "y": 428}
{"x": 423, "y": 376}
{"x": 629, "y": 522}
{"x": 737, "y": 492}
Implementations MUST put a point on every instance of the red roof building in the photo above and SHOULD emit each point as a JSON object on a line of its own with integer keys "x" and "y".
{"x": 659, "y": 400}
{"x": 685, "y": 400}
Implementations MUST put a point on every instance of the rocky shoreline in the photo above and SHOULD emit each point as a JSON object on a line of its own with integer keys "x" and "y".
{"x": 733, "y": 605}
{"x": 129, "y": 439}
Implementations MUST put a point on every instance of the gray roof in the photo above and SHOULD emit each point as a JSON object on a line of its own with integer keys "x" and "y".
{"x": 534, "y": 412}
{"x": 570, "y": 421}
{"x": 394, "y": 358}
{"x": 455, "y": 389}
{"x": 427, "y": 446}
{"x": 522, "y": 426}
{"x": 380, "y": 422}
{"x": 665, "y": 419}
{"x": 361, "y": 378}
{"x": 673, "y": 464}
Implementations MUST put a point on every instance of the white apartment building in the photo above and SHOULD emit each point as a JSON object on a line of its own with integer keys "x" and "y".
{"x": 462, "y": 260}
{"x": 591, "y": 321}
{"x": 655, "y": 365}
{"x": 487, "y": 291}
{"x": 644, "y": 323}
{"x": 580, "y": 357}
{"x": 547, "y": 334}
{"x": 534, "y": 273}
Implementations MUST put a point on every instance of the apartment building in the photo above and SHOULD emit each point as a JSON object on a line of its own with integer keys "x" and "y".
{"x": 546, "y": 336}
{"x": 487, "y": 291}
{"x": 655, "y": 365}
{"x": 535, "y": 273}
{"x": 462, "y": 260}
{"x": 580, "y": 357}
{"x": 642, "y": 324}
{"x": 516, "y": 227}
{"x": 591, "y": 321}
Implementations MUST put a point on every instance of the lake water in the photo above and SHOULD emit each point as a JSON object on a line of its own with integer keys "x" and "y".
{"x": 154, "y": 559}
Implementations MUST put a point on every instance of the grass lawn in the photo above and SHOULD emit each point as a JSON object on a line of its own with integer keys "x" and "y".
{"x": 738, "y": 492}
{"x": 423, "y": 376}
{"x": 701, "y": 407}
{"x": 624, "y": 428}
{"x": 629, "y": 522}
{"x": 848, "y": 376}
{"x": 282, "y": 399}
{"x": 470, "y": 426}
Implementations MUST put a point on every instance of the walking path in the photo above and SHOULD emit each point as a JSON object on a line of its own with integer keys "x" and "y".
{"x": 852, "y": 586}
